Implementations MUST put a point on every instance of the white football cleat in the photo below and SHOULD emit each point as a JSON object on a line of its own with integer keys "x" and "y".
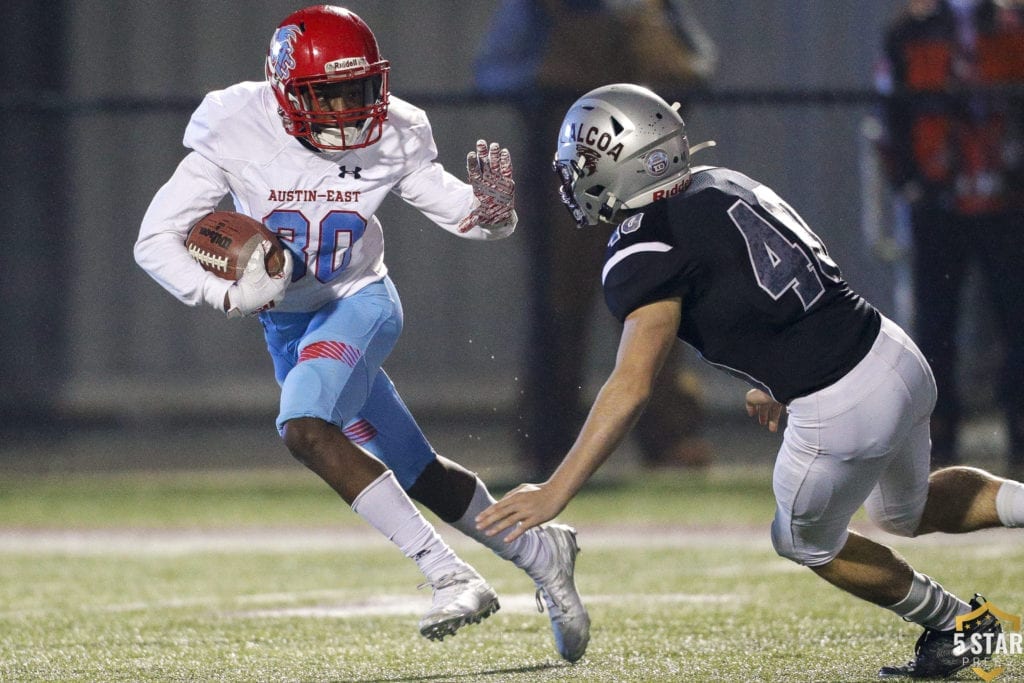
{"x": 460, "y": 598}
{"x": 556, "y": 584}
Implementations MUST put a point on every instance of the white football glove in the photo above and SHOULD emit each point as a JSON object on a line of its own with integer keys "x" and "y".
{"x": 490, "y": 174}
{"x": 257, "y": 290}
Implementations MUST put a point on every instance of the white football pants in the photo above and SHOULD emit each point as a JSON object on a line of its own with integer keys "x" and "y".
{"x": 861, "y": 441}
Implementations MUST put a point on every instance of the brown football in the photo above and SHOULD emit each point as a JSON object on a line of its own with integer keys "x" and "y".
{"x": 222, "y": 242}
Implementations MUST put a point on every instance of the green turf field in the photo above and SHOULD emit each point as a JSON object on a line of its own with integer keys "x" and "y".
{"x": 265, "y": 576}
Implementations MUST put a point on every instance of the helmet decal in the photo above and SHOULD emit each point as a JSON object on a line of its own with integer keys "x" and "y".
{"x": 282, "y": 50}
{"x": 590, "y": 158}
{"x": 656, "y": 163}
{"x": 594, "y": 138}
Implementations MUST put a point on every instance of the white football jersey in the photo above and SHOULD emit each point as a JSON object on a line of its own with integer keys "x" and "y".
{"x": 323, "y": 204}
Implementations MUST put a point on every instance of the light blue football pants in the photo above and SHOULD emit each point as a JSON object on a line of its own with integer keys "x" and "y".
{"x": 328, "y": 364}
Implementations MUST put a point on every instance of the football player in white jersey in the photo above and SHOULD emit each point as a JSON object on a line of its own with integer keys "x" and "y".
{"x": 312, "y": 152}
{"x": 720, "y": 261}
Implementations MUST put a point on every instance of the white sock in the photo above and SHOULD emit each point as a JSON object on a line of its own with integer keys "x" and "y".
{"x": 930, "y": 605}
{"x": 1010, "y": 504}
{"x": 526, "y": 552}
{"x": 387, "y": 507}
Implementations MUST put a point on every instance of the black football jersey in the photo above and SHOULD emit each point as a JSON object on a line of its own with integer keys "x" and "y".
{"x": 761, "y": 297}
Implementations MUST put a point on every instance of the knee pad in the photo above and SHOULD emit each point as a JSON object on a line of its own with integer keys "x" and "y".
{"x": 446, "y": 488}
{"x": 327, "y": 389}
{"x": 810, "y": 546}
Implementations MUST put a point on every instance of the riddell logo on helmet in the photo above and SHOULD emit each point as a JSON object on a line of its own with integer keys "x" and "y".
{"x": 670, "y": 192}
{"x": 345, "y": 64}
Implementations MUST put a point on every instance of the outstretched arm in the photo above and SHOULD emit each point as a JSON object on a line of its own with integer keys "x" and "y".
{"x": 480, "y": 209}
{"x": 648, "y": 335}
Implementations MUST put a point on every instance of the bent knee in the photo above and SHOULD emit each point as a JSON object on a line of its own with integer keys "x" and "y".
{"x": 329, "y": 390}
{"x": 303, "y": 435}
{"x": 809, "y": 546}
{"x": 898, "y": 525}
{"x": 900, "y": 522}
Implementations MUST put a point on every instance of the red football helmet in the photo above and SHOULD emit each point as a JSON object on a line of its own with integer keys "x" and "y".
{"x": 329, "y": 79}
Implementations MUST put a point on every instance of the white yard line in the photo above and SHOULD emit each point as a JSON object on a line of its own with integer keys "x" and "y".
{"x": 345, "y": 604}
{"x": 514, "y": 603}
{"x": 128, "y": 541}
{"x": 335, "y": 604}
{"x": 285, "y": 540}
{"x": 182, "y": 541}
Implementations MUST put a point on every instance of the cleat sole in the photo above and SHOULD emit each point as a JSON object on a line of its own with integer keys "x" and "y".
{"x": 442, "y": 629}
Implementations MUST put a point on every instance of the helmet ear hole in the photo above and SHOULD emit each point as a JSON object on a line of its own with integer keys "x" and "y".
{"x": 594, "y": 191}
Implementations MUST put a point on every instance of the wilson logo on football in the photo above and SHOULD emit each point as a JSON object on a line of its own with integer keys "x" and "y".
{"x": 220, "y": 239}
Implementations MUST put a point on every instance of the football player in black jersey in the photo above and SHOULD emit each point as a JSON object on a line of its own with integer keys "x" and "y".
{"x": 720, "y": 261}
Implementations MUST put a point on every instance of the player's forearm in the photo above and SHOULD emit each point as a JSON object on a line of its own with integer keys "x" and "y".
{"x": 157, "y": 254}
{"x": 615, "y": 411}
{"x": 191, "y": 192}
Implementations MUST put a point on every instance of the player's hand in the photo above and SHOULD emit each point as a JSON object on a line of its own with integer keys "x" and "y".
{"x": 489, "y": 168}
{"x": 257, "y": 290}
{"x": 526, "y": 506}
{"x": 767, "y": 409}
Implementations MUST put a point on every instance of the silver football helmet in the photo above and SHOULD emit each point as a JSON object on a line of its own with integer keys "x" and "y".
{"x": 620, "y": 147}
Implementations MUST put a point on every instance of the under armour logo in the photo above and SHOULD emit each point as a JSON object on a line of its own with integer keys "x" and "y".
{"x": 344, "y": 171}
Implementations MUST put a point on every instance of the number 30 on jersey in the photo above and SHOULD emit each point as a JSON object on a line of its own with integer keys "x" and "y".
{"x": 328, "y": 248}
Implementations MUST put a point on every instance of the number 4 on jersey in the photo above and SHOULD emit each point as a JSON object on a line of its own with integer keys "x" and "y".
{"x": 778, "y": 261}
